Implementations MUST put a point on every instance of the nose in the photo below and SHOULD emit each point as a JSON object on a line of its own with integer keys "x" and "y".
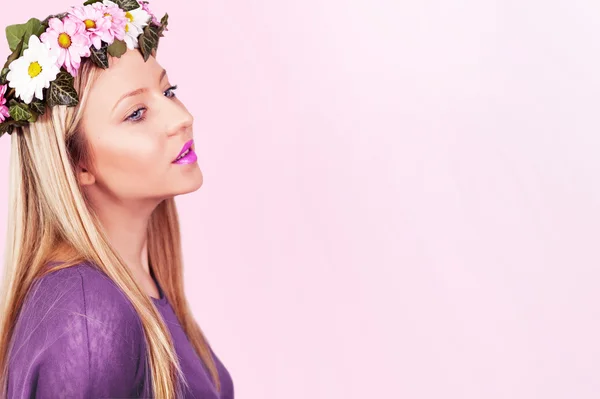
{"x": 177, "y": 117}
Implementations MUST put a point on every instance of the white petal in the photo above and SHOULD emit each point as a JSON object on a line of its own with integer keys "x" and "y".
{"x": 140, "y": 16}
{"x": 34, "y": 42}
{"x": 129, "y": 41}
{"x": 18, "y": 79}
{"x": 39, "y": 92}
{"x": 27, "y": 95}
{"x": 53, "y": 55}
{"x": 51, "y": 72}
{"x": 139, "y": 30}
{"x": 17, "y": 64}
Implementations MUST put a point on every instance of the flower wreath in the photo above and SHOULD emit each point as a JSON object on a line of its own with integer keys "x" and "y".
{"x": 46, "y": 55}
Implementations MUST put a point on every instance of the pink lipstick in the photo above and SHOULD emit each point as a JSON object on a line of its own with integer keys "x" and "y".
{"x": 186, "y": 155}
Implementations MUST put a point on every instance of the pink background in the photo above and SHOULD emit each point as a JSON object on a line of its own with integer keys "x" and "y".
{"x": 400, "y": 199}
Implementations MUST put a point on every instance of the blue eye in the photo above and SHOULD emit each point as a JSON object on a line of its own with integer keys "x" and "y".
{"x": 136, "y": 116}
{"x": 171, "y": 91}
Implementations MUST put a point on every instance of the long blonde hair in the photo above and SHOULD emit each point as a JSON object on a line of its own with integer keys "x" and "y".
{"x": 49, "y": 219}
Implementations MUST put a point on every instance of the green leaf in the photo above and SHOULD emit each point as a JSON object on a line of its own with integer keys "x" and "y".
{"x": 8, "y": 126}
{"x": 100, "y": 56}
{"x": 19, "y": 111}
{"x": 14, "y": 33}
{"x": 88, "y": 2}
{"x": 33, "y": 117}
{"x": 151, "y": 35}
{"x": 127, "y": 5}
{"x": 38, "y": 106}
{"x": 117, "y": 48}
{"x": 3, "y": 75}
{"x": 164, "y": 21}
{"x": 61, "y": 90}
{"x": 148, "y": 40}
{"x": 15, "y": 54}
{"x": 157, "y": 32}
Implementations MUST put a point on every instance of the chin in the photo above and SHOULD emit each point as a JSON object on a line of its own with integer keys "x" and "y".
{"x": 191, "y": 183}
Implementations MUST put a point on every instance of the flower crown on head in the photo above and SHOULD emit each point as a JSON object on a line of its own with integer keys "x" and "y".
{"x": 46, "y": 55}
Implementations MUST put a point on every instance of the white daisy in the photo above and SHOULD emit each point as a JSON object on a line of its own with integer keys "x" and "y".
{"x": 34, "y": 70}
{"x": 136, "y": 21}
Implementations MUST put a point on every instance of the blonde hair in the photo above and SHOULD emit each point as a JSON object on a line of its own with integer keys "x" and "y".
{"x": 50, "y": 220}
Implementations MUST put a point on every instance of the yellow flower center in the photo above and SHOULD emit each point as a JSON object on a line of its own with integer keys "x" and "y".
{"x": 129, "y": 18}
{"x": 107, "y": 14}
{"x": 34, "y": 69}
{"x": 89, "y": 24}
{"x": 64, "y": 40}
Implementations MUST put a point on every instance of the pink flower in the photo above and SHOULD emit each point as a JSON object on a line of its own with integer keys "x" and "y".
{"x": 71, "y": 38}
{"x": 116, "y": 16}
{"x": 146, "y": 8}
{"x": 3, "y": 108}
{"x": 96, "y": 24}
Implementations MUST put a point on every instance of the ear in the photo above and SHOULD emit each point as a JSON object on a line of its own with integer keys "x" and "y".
{"x": 84, "y": 176}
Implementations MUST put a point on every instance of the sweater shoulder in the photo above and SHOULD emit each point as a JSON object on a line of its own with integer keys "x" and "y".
{"x": 77, "y": 332}
{"x": 84, "y": 282}
{"x": 85, "y": 291}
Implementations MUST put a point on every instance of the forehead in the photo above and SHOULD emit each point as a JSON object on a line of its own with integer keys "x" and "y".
{"x": 129, "y": 72}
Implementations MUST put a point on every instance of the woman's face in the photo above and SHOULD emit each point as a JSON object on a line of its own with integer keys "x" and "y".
{"x": 136, "y": 127}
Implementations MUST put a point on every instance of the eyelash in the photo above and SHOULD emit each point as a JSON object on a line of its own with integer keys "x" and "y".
{"x": 141, "y": 118}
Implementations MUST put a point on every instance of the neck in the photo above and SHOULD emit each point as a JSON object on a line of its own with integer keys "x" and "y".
{"x": 126, "y": 225}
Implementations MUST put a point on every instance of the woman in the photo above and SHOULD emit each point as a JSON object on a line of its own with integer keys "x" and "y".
{"x": 93, "y": 298}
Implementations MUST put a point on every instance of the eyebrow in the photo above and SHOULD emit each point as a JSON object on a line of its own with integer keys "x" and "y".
{"x": 138, "y": 91}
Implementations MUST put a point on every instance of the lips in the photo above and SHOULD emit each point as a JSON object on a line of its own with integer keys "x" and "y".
{"x": 186, "y": 146}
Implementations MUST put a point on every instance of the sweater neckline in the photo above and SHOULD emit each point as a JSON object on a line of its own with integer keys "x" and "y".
{"x": 162, "y": 299}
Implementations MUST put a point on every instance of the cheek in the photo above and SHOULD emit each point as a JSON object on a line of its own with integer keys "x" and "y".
{"x": 125, "y": 165}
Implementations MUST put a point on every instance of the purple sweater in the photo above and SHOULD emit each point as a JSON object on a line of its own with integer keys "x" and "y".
{"x": 77, "y": 336}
